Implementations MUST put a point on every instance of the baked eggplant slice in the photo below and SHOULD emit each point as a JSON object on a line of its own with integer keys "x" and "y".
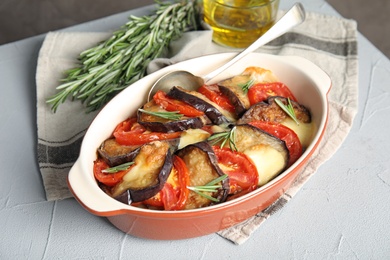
{"x": 233, "y": 89}
{"x": 147, "y": 176}
{"x": 216, "y": 114}
{"x": 159, "y": 124}
{"x": 270, "y": 111}
{"x": 269, "y": 154}
{"x": 115, "y": 154}
{"x": 203, "y": 168}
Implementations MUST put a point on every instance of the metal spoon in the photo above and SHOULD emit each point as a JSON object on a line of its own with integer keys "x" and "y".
{"x": 292, "y": 18}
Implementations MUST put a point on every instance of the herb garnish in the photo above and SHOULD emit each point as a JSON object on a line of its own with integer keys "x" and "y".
{"x": 289, "y": 109}
{"x": 209, "y": 187}
{"x": 170, "y": 115}
{"x": 114, "y": 64}
{"x": 118, "y": 168}
{"x": 223, "y": 138}
{"x": 247, "y": 85}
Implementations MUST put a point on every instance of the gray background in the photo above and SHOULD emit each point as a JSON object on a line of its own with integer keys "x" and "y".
{"x": 24, "y": 18}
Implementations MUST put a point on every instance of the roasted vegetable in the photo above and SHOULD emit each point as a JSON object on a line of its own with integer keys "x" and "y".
{"x": 203, "y": 168}
{"x": 261, "y": 91}
{"x": 174, "y": 194}
{"x": 233, "y": 89}
{"x": 152, "y": 117}
{"x": 284, "y": 133}
{"x": 242, "y": 172}
{"x": 130, "y": 132}
{"x": 114, "y": 154}
{"x": 269, "y": 154}
{"x": 216, "y": 114}
{"x": 236, "y": 88}
{"x": 148, "y": 174}
{"x": 270, "y": 111}
{"x": 213, "y": 93}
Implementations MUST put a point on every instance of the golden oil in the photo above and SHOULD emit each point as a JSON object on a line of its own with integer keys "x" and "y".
{"x": 238, "y": 23}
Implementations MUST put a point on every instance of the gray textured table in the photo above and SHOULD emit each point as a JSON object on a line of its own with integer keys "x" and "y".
{"x": 342, "y": 212}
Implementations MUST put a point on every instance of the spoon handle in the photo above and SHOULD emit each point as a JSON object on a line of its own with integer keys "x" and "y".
{"x": 292, "y": 18}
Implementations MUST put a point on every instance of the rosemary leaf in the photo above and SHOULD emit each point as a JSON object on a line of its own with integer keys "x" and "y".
{"x": 289, "y": 109}
{"x": 247, "y": 85}
{"x": 209, "y": 187}
{"x": 203, "y": 194}
{"x": 118, "y": 168}
{"x": 223, "y": 138}
{"x": 206, "y": 188}
{"x": 170, "y": 115}
{"x": 219, "y": 179}
{"x": 112, "y": 65}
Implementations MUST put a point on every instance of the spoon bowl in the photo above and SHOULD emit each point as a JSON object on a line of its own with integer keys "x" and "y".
{"x": 293, "y": 17}
{"x": 181, "y": 78}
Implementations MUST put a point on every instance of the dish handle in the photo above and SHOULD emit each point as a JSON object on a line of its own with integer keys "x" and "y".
{"x": 86, "y": 191}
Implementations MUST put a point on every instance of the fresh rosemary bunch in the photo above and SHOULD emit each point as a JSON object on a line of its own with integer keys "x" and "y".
{"x": 122, "y": 59}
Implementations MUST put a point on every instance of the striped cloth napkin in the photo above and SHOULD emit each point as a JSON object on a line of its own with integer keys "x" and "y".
{"x": 330, "y": 42}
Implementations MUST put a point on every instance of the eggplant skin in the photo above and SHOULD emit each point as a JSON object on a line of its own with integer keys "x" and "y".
{"x": 143, "y": 194}
{"x": 115, "y": 154}
{"x": 159, "y": 124}
{"x": 191, "y": 99}
{"x": 203, "y": 167}
{"x": 148, "y": 175}
{"x": 170, "y": 126}
{"x": 239, "y": 106}
{"x": 232, "y": 89}
{"x": 270, "y": 111}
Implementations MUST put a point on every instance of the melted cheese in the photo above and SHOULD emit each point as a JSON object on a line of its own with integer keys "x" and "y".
{"x": 192, "y": 136}
{"x": 145, "y": 170}
{"x": 268, "y": 161}
{"x": 304, "y": 131}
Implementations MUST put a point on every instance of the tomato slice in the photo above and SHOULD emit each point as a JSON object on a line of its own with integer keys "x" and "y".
{"x": 170, "y": 104}
{"x": 286, "y": 134}
{"x": 174, "y": 194}
{"x": 129, "y": 132}
{"x": 168, "y": 197}
{"x": 261, "y": 91}
{"x": 108, "y": 179}
{"x": 243, "y": 176}
{"x": 212, "y": 92}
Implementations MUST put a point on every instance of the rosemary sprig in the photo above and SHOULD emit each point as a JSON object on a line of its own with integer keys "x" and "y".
{"x": 223, "y": 138}
{"x": 289, "y": 109}
{"x": 118, "y": 168}
{"x": 247, "y": 85}
{"x": 209, "y": 187}
{"x": 174, "y": 115}
{"x": 114, "y": 64}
